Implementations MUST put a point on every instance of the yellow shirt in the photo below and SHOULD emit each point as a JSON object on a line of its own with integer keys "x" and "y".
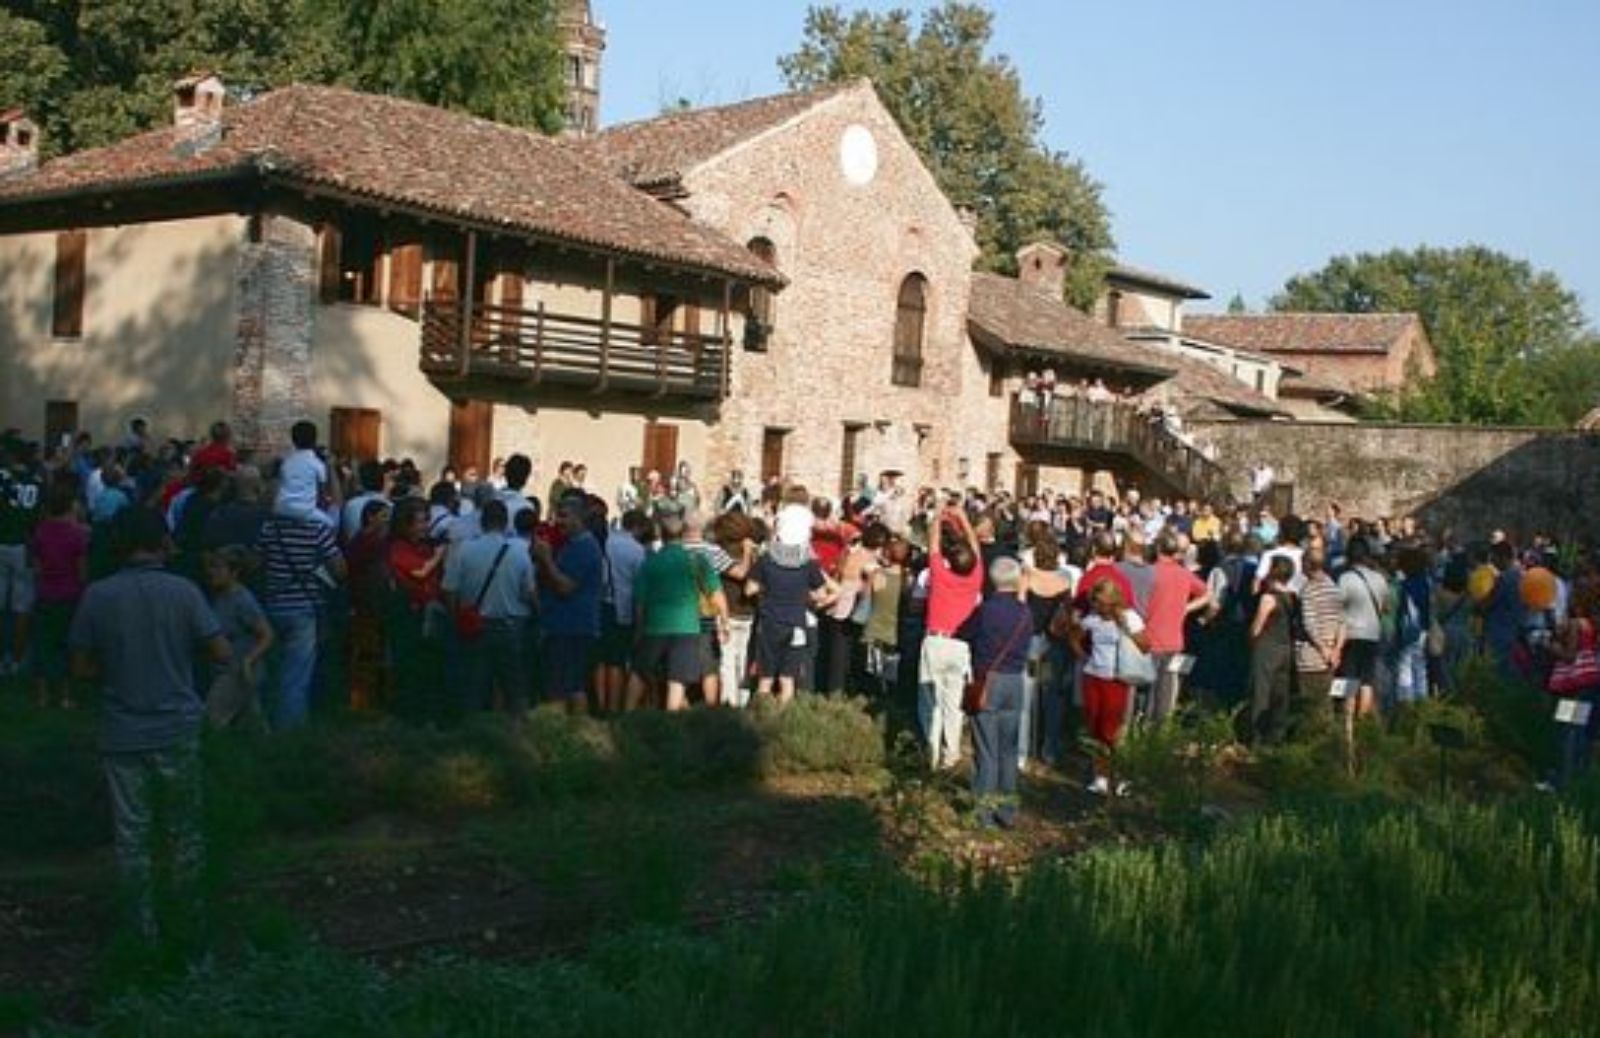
{"x": 1206, "y": 528}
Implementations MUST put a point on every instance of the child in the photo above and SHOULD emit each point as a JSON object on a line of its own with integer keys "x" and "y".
{"x": 302, "y": 477}
{"x": 234, "y": 687}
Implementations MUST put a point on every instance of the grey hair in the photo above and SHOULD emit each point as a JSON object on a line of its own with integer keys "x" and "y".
{"x": 1005, "y": 573}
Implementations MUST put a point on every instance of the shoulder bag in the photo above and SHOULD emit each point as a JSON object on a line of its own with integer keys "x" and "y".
{"x": 1134, "y": 665}
{"x": 469, "y": 618}
{"x": 1581, "y": 673}
{"x": 975, "y": 696}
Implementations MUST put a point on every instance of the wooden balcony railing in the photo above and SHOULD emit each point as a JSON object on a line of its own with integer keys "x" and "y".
{"x": 1073, "y": 423}
{"x": 540, "y": 347}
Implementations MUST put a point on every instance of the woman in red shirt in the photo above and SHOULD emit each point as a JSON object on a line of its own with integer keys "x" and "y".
{"x": 60, "y": 550}
{"x": 419, "y": 619}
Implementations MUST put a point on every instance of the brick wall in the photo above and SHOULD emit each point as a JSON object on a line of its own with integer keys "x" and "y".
{"x": 272, "y": 373}
{"x": 846, "y": 250}
{"x": 1469, "y": 479}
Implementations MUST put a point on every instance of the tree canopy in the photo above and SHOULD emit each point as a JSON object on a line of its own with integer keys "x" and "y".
{"x": 1511, "y": 340}
{"x": 93, "y": 72}
{"x": 965, "y": 112}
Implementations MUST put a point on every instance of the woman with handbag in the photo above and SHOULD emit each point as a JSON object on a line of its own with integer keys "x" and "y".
{"x": 1272, "y": 654}
{"x": 1576, "y": 676}
{"x": 999, "y": 632}
{"x": 1111, "y": 642}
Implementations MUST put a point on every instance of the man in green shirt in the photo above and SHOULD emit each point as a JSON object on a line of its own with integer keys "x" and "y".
{"x": 673, "y": 589}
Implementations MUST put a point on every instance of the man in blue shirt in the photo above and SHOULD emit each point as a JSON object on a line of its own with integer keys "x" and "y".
{"x": 493, "y": 574}
{"x": 569, "y": 597}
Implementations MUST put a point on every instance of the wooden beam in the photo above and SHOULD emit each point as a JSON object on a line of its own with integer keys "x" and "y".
{"x": 725, "y": 333}
{"x": 465, "y": 292}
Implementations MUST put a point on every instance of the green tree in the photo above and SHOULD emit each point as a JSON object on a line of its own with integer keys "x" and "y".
{"x": 965, "y": 112}
{"x": 1237, "y": 305}
{"x": 96, "y": 72}
{"x": 1494, "y": 320}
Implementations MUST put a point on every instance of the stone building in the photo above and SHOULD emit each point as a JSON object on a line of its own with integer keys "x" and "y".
{"x": 1365, "y": 352}
{"x": 863, "y": 363}
{"x": 424, "y": 283}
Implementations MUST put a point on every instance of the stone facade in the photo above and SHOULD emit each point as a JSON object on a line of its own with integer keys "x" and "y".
{"x": 1471, "y": 480}
{"x": 824, "y": 380}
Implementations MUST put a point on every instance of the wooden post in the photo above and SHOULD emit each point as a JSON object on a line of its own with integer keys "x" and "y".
{"x": 465, "y": 298}
{"x": 725, "y": 334}
{"x": 605, "y": 325}
{"x": 538, "y": 343}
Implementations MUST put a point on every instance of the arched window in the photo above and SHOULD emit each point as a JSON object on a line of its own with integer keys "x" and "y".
{"x": 763, "y": 307}
{"x": 910, "y": 321}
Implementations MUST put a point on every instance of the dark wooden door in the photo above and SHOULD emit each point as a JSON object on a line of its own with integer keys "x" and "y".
{"x": 660, "y": 448}
{"x": 354, "y": 432}
{"x": 471, "y": 435}
{"x": 772, "y": 454}
{"x": 848, "y": 462}
{"x": 60, "y": 420}
{"x": 1027, "y": 479}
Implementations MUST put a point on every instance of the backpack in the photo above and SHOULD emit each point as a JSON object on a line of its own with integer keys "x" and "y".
{"x": 1240, "y": 601}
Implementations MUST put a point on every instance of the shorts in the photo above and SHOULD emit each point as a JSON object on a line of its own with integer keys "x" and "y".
{"x": 675, "y": 656}
{"x": 566, "y": 665}
{"x": 710, "y": 652}
{"x": 777, "y": 655}
{"x": 615, "y": 647}
{"x": 16, "y": 579}
{"x": 1360, "y": 662}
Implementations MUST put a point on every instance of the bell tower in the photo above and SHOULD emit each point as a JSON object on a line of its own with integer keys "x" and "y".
{"x": 583, "y": 41}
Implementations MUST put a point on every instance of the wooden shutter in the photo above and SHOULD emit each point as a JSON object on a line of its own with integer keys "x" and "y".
{"x": 60, "y": 419}
{"x": 471, "y": 434}
{"x": 691, "y": 322}
{"x": 660, "y": 448}
{"x": 354, "y": 432}
{"x": 445, "y": 284}
{"x": 847, "y": 463}
{"x": 911, "y": 311}
{"x": 71, "y": 272}
{"x": 511, "y": 283}
{"x": 405, "y": 279}
{"x": 329, "y": 271}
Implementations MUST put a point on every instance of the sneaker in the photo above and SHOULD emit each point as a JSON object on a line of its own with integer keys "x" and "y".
{"x": 1100, "y": 787}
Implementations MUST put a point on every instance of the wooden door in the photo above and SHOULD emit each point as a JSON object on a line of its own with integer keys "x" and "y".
{"x": 848, "y": 463}
{"x": 471, "y": 435}
{"x": 772, "y": 454}
{"x": 1027, "y": 479}
{"x": 354, "y": 432}
{"x": 60, "y": 420}
{"x": 660, "y": 448}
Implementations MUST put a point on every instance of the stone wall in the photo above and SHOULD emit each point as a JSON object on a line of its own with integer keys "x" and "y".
{"x": 272, "y": 376}
{"x": 846, "y": 248}
{"x": 1472, "y": 480}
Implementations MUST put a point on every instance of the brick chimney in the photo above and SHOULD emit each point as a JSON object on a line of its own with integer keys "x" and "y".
{"x": 1043, "y": 266}
{"x": 197, "y": 101}
{"x": 19, "y": 143}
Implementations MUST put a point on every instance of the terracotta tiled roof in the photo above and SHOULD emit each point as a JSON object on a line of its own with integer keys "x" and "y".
{"x": 384, "y": 149}
{"x": 1004, "y": 311}
{"x": 1303, "y": 332}
{"x": 1139, "y": 276}
{"x": 657, "y": 152}
{"x": 1306, "y": 384}
{"x": 1196, "y": 379}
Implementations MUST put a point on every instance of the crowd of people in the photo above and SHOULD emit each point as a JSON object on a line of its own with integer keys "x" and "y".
{"x": 1042, "y": 619}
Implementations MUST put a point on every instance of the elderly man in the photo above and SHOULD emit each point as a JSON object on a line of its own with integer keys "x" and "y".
{"x": 137, "y": 631}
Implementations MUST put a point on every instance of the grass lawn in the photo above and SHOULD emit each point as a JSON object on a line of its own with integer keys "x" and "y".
{"x": 796, "y": 873}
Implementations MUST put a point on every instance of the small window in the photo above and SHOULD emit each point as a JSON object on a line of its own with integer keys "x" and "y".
{"x": 352, "y": 263}
{"x": 772, "y": 449}
{"x": 911, "y": 315}
{"x": 1114, "y": 309}
{"x": 849, "y": 461}
{"x": 997, "y": 380}
{"x": 991, "y": 473}
{"x": 763, "y": 308}
{"x": 1261, "y": 381}
{"x": 66, "y": 321}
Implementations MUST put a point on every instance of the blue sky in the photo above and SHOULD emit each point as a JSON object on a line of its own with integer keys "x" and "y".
{"x": 1242, "y": 141}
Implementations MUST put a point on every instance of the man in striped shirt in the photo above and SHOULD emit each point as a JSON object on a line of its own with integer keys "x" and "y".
{"x": 1320, "y": 640}
{"x": 300, "y": 561}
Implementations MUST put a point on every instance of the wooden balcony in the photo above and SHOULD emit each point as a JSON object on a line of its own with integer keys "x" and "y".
{"x": 538, "y": 347}
{"x": 1076, "y": 424}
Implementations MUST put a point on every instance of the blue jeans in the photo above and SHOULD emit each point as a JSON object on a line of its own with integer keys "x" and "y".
{"x": 995, "y": 735}
{"x": 498, "y": 658}
{"x": 296, "y": 665}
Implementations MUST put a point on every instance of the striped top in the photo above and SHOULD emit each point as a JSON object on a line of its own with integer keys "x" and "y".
{"x": 292, "y": 550}
{"x": 1322, "y": 608}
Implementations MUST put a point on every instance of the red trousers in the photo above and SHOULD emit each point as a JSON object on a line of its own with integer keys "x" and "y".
{"x": 1105, "y": 706}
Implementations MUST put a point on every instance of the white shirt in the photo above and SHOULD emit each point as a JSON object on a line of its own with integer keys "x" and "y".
{"x": 300, "y": 478}
{"x": 350, "y": 518}
{"x": 1294, "y": 554}
{"x": 1105, "y": 636}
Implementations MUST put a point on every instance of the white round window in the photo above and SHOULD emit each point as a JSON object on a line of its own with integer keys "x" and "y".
{"x": 858, "y": 155}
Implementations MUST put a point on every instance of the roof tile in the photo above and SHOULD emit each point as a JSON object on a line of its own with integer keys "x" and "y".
{"x": 1303, "y": 332}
